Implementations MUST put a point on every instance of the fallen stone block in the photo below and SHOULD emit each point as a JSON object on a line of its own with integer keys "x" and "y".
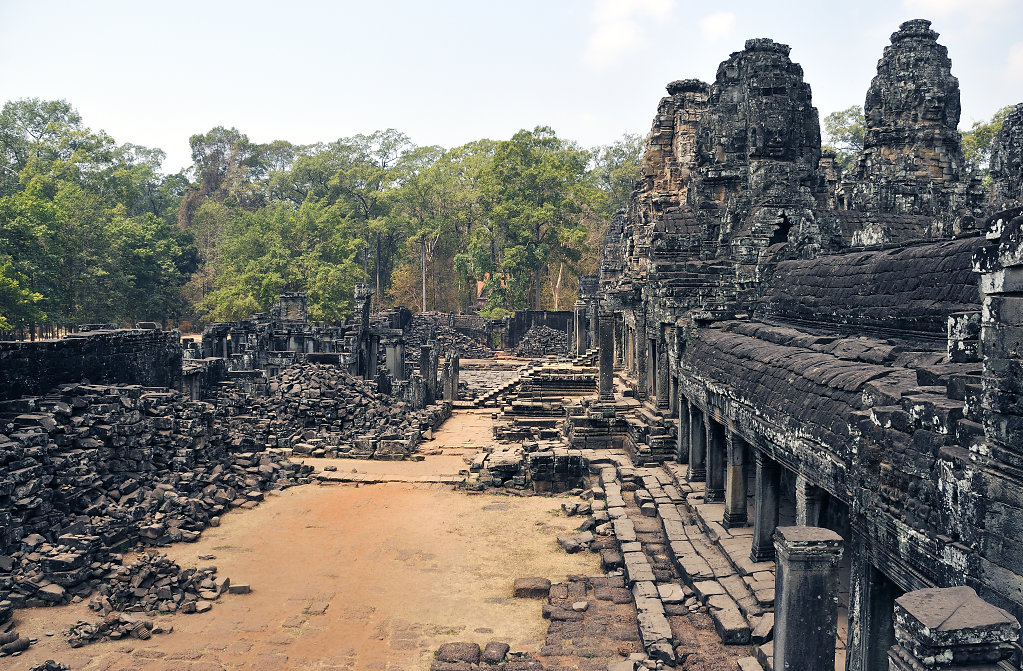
{"x": 531, "y": 588}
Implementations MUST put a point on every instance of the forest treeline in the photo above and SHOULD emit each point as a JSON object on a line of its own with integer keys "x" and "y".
{"x": 91, "y": 231}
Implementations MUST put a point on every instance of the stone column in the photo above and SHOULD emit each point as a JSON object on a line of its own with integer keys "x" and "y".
{"x": 592, "y": 316}
{"x": 372, "y": 354}
{"x": 808, "y": 503}
{"x": 399, "y": 358}
{"x": 950, "y": 628}
{"x": 454, "y": 364}
{"x": 765, "y": 508}
{"x": 663, "y": 391}
{"x": 714, "y": 492}
{"x": 697, "y": 446}
{"x": 642, "y": 368}
{"x": 682, "y": 446}
{"x": 806, "y": 598}
{"x": 580, "y": 327}
{"x": 607, "y": 358}
{"x": 735, "y": 483}
{"x": 673, "y": 396}
{"x": 428, "y": 373}
{"x": 872, "y": 602}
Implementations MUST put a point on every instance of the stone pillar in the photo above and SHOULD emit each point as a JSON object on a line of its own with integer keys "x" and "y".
{"x": 765, "y": 508}
{"x": 619, "y": 325}
{"x": 806, "y": 598}
{"x": 642, "y": 370}
{"x": 871, "y": 604}
{"x": 735, "y": 483}
{"x": 399, "y": 358}
{"x": 607, "y": 358}
{"x": 697, "y": 446}
{"x": 580, "y": 323}
{"x": 808, "y": 503}
{"x": 428, "y": 373}
{"x": 454, "y": 363}
{"x": 714, "y": 492}
{"x": 949, "y": 628}
{"x": 663, "y": 387}
{"x": 372, "y": 354}
{"x": 673, "y": 397}
{"x": 682, "y": 445}
{"x": 592, "y": 312}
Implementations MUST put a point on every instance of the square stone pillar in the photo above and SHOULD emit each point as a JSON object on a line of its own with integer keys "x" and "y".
{"x": 765, "y": 508}
{"x": 682, "y": 435}
{"x": 593, "y": 319}
{"x": 806, "y": 598}
{"x": 663, "y": 377}
{"x": 871, "y": 605}
{"x": 606, "y": 373}
{"x": 697, "y": 446}
{"x": 808, "y": 503}
{"x": 581, "y": 327}
{"x": 715, "y": 489}
{"x": 642, "y": 367}
{"x": 950, "y": 628}
{"x": 735, "y": 483}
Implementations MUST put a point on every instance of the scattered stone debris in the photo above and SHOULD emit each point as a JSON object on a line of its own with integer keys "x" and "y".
{"x": 322, "y": 411}
{"x": 13, "y": 643}
{"x": 543, "y": 341}
{"x": 94, "y": 469}
{"x": 50, "y": 665}
{"x": 467, "y": 656}
{"x": 114, "y": 625}
{"x": 155, "y": 584}
{"x": 428, "y": 326}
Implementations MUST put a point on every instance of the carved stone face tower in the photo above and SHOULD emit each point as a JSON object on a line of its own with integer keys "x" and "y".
{"x": 758, "y": 149}
{"x": 912, "y": 161}
{"x": 1007, "y": 162}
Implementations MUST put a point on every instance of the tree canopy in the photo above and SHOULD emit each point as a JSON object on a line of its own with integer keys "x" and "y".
{"x": 92, "y": 231}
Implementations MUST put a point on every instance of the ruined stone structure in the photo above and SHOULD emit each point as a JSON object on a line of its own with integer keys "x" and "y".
{"x": 833, "y": 354}
{"x": 912, "y": 162}
{"x": 130, "y": 356}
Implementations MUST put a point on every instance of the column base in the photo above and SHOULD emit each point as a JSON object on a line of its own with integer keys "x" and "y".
{"x": 762, "y": 554}
{"x": 606, "y": 398}
{"x": 734, "y": 520}
{"x": 696, "y": 474}
{"x": 714, "y": 496}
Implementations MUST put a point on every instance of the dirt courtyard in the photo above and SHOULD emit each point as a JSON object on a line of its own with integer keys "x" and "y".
{"x": 350, "y": 577}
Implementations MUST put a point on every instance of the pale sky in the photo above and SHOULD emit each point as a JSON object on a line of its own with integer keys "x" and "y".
{"x": 447, "y": 72}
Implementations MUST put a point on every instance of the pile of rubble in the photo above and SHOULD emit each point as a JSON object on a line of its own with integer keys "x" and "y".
{"x": 427, "y": 327}
{"x": 50, "y": 665}
{"x": 155, "y": 584}
{"x": 114, "y": 625}
{"x": 91, "y": 469}
{"x": 542, "y": 341}
{"x": 321, "y": 410}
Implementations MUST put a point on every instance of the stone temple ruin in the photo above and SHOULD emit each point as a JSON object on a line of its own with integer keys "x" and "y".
{"x": 791, "y": 401}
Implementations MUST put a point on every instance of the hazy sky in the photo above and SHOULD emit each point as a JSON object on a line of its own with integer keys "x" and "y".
{"x": 154, "y": 73}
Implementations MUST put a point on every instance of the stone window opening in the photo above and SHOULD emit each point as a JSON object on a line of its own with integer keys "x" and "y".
{"x": 781, "y": 233}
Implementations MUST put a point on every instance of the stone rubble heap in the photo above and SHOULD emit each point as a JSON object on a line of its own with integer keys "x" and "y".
{"x": 90, "y": 469}
{"x": 321, "y": 410}
{"x": 155, "y": 584}
{"x": 543, "y": 341}
{"x": 50, "y": 665}
{"x": 114, "y": 626}
{"x": 426, "y": 327}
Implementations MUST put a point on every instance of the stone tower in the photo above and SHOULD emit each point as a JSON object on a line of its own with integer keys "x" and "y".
{"x": 1007, "y": 162}
{"x": 758, "y": 148}
{"x": 912, "y": 160}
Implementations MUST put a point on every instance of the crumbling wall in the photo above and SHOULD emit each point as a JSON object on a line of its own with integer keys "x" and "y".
{"x": 130, "y": 356}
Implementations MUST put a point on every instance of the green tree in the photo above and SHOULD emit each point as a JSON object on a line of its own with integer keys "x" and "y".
{"x": 977, "y": 142}
{"x": 844, "y": 131}
{"x": 539, "y": 184}
{"x": 617, "y": 168}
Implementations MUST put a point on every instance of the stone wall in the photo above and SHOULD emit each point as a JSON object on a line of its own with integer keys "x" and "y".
{"x": 146, "y": 357}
